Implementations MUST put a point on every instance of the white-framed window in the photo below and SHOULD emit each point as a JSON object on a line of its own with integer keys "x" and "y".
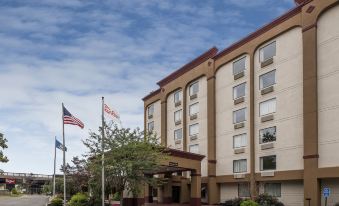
{"x": 273, "y": 189}
{"x": 239, "y": 166}
{"x": 268, "y": 107}
{"x": 194, "y": 88}
{"x": 244, "y": 189}
{"x": 150, "y": 126}
{"x": 239, "y": 90}
{"x": 268, "y": 52}
{"x": 240, "y": 140}
{"x": 194, "y": 109}
{"x": 239, "y": 66}
{"x": 267, "y": 135}
{"x": 194, "y": 129}
{"x": 268, "y": 163}
{"x": 267, "y": 79}
{"x": 177, "y": 96}
{"x": 239, "y": 116}
{"x": 194, "y": 148}
{"x": 150, "y": 110}
{"x": 178, "y": 134}
{"x": 177, "y": 116}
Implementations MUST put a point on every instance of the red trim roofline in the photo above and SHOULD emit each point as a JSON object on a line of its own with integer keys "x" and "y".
{"x": 187, "y": 67}
{"x": 151, "y": 94}
{"x": 262, "y": 30}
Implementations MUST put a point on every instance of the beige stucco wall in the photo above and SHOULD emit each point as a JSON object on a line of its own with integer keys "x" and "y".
{"x": 228, "y": 191}
{"x": 292, "y": 192}
{"x": 333, "y": 184}
{"x": 202, "y": 120}
{"x": 156, "y": 118}
{"x": 224, "y": 118}
{"x": 171, "y": 127}
{"x": 288, "y": 92}
{"x": 328, "y": 85}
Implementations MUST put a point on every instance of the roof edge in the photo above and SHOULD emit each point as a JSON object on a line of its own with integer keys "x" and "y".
{"x": 153, "y": 93}
{"x": 187, "y": 67}
{"x": 289, "y": 14}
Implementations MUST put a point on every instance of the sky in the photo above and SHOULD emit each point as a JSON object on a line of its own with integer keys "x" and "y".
{"x": 76, "y": 51}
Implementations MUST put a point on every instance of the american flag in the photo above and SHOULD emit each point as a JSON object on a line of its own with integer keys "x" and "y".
{"x": 70, "y": 119}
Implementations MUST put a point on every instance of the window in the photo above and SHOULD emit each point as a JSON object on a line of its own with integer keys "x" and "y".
{"x": 239, "y": 91}
{"x": 268, "y": 107}
{"x": 194, "y": 88}
{"x": 267, "y": 52}
{"x": 268, "y": 163}
{"x": 267, "y": 79}
{"x": 239, "y": 166}
{"x": 244, "y": 190}
{"x": 273, "y": 189}
{"x": 151, "y": 110}
{"x": 239, "y": 116}
{"x": 150, "y": 126}
{"x": 194, "y": 148}
{"x": 194, "y": 109}
{"x": 239, "y": 66}
{"x": 177, "y": 134}
{"x": 177, "y": 96}
{"x": 267, "y": 135}
{"x": 240, "y": 141}
{"x": 194, "y": 129}
{"x": 177, "y": 116}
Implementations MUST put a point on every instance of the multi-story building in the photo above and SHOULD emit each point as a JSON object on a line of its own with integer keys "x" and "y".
{"x": 264, "y": 112}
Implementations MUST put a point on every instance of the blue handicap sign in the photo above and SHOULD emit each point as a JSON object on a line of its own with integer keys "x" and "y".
{"x": 326, "y": 192}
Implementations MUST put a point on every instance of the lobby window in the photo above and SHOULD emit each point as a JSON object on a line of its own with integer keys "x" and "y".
{"x": 244, "y": 190}
{"x": 178, "y": 134}
{"x": 177, "y": 116}
{"x": 194, "y": 129}
{"x": 150, "y": 111}
{"x": 239, "y": 116}
{"x": 194, "y": 148}
{"x": 239, "y": 166}
{"x": 268, "y": 163}
{"x": 150, "y": 126}
{"x": 268, "y": 107}
{"x": 239, "y": 91}
{"x": 267, "y": 79}
{"x": 177, "y": 97}
{"x": 267, "y": 135}
{"x": 194, "y": 109}
{"x": 239, "y": 66}
{"x": 240, "y": 141}
{"x": 273, "y": 189}
{"x": 194, "y": 88}
{"x": 268, "y": 52}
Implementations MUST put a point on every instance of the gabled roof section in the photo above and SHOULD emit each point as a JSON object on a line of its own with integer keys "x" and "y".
{"x": 191, "y": 65}
{"x": 151, "y": 94}
{"x": 262, "y": 30}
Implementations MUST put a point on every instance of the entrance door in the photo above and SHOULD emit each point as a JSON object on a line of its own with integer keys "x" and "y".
{"x": 176, "y": 194}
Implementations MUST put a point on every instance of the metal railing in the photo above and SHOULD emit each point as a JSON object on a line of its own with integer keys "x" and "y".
{"x": 28, "y": 175}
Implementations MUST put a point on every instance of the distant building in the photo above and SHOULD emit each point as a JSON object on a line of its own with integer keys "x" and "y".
{"x": 264, "y": 112}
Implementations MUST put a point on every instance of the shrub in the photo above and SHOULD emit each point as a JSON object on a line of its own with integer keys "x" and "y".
{"x": 249, "y": 203}
{"x": 79, "y": 199}
{"x": 116, "y": 196}
{"x": 233, "y": 202}
{"x": 268, "y": 200}
{"x": 56, "y": 202}
{"x": 15, "y": 191}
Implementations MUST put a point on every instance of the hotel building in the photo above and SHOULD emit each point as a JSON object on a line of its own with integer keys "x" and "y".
{"x": 263, "y": 112}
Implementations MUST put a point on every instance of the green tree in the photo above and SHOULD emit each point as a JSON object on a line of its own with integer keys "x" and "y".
{"x": 3, "y": 146}
{"x": 129, "y": 154}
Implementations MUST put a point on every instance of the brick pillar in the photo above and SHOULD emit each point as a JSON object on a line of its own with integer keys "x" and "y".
{"x": 167, "y": 198}
{"x": 195, "y": 189}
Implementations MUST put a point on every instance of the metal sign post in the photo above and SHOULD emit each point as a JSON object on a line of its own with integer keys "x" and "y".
{"x": 326, "y": 194}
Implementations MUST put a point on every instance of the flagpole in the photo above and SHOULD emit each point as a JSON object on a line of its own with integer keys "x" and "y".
{"x": 103, "y": 154}
{"x": 64, "y": 153}
{"x": 54, "y": 166}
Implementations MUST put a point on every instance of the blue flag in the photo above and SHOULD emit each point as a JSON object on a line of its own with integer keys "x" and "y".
{"x": 59, "y": 145}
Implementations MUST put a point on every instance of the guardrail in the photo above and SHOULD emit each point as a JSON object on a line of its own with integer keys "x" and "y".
{"x": 30, "y": 175}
